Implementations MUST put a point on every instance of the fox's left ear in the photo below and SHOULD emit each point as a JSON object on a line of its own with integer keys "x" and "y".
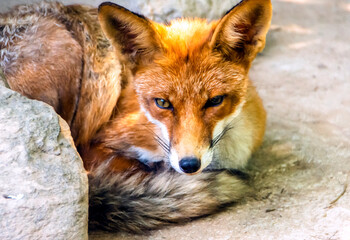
{"x": 241, "y": 33}
{"x": 132, "y": 33}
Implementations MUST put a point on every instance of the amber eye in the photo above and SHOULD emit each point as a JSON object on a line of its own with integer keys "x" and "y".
{"x": 215, "y": 101}
{"x": 163, "y": 104}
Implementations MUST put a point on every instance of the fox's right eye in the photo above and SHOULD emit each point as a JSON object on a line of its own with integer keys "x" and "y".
{"x": 163, "y": 104}
{"x": 215, "y": 101}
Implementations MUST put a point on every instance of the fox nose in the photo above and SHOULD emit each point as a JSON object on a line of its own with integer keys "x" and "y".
{"x": 190, "y": 164}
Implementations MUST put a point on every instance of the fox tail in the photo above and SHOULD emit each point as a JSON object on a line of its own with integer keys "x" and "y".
{"x": 135, "y": 202}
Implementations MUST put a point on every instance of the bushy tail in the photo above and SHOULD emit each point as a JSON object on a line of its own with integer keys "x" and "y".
{"x": 137, "y": 202}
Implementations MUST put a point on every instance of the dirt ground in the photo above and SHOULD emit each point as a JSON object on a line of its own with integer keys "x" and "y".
{"x": 302, "y": 171}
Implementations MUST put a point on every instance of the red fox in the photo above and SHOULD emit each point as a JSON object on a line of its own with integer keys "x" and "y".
{"x": 143, "y": 98}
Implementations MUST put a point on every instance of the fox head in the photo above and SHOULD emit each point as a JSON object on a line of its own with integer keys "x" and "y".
{"x": 190, "y": 76}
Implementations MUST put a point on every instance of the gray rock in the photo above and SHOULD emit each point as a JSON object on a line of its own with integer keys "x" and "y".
{"x": 43, "y": 184}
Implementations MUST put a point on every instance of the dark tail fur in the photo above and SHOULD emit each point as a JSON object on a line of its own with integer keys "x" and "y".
{"x": 137, "y": 203}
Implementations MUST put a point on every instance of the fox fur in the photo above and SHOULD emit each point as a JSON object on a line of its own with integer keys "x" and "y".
{"x": 106, "y": 70}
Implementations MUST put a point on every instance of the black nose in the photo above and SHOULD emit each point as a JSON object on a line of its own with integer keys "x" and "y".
{"x": 190, "y": 164}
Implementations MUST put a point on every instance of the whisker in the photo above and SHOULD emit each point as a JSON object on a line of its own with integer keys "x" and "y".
{"x": 221, "y": 135}
{"x": 162, "y": 143}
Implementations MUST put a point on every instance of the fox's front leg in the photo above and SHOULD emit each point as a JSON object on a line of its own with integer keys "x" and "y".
{"x": 94, "y": 155}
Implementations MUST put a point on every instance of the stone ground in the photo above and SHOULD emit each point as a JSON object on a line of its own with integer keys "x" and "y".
{"x": 302, "y": 170}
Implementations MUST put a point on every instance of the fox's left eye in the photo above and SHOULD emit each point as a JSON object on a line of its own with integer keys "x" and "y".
{"x": 215, "y": 101}
{"x": 163, "y": 104}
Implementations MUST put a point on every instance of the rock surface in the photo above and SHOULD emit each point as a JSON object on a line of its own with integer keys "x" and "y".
{"x": 43, "y": 185}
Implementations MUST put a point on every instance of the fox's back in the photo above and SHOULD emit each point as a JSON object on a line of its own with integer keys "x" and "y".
{"x": 58, "y": 54}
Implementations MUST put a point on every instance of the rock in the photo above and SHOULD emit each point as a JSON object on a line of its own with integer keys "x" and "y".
{"x": 43, "y": 184}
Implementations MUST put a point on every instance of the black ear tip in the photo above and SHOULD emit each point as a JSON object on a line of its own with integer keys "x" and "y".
{"x": 242, "y": 2}
{"x": 110, "y": 4}
{"x": 116, "y": 6}
{"x": 237, "y": 4}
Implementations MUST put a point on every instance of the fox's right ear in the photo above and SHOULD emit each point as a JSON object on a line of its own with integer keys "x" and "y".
{"x": 132, "y": 33}
{"x": 241, "y": 33}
